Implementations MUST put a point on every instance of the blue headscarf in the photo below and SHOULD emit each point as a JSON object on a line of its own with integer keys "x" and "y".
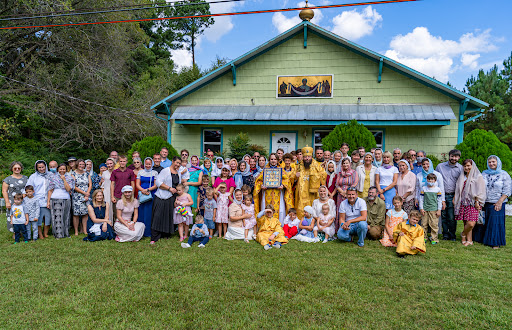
{"x": 498, "y": 169}
{"x": 144, "y": 165}
{"x": 425, "y": 173}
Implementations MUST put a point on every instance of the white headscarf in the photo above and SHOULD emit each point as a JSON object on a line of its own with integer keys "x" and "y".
{"x": 310, "y": 210}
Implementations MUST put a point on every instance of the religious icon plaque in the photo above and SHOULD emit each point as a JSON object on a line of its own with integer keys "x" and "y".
{"x": 308, "y": 86}
{"x": 272, "y": 177}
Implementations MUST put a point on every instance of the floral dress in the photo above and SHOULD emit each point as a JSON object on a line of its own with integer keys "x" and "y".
{"x": 79, "y": 203}
{"x": 222, "y": 208}
{"x": 394, "y": 219}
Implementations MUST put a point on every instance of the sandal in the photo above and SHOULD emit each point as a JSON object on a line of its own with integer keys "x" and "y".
{"x": 246, "y": 240}
{"x": 464, "y": 240}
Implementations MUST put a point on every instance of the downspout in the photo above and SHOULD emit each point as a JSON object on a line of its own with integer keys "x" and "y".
{"x": 460, "y": 137}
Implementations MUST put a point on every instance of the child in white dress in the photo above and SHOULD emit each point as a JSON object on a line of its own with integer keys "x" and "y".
{"x": 248, "y": 208}
{"x": 326, "y": 223}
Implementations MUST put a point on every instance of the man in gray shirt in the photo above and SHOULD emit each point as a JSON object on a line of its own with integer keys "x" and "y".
{"x": 450, "y": 170}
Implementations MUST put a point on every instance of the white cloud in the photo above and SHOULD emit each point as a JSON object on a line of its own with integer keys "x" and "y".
{"x": 283, "y": 23}
{"x": 223, "y": 24}
{"x": 434, "y": 56}
{"x": 182, "y": 57}
{"x": 356, "y": 24}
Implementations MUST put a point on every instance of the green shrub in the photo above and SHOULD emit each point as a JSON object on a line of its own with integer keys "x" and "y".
{"x": 257, "y": 148}
{"x": 480, "y": 144}
{"x": 150, "y": 145}
{"x": 239, "y": 146}
{"x": 435, "y": 161}
{"x": 353, "y": 133}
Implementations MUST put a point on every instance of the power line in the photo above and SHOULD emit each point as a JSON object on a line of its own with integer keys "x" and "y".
{"x": 178, "y": 4}
{"x": 75, "y": 98}
{"x": 208, "y": 15}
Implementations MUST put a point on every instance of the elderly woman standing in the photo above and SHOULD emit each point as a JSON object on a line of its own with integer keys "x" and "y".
{"x": 127, "y": 228}
{"x": 366, "y": 175}
{"x": 469, "y": 198}
{"x": 406, "y": 185}
{"x": 347, "y": 178}
{"x": 60, "y": 188}
{"x": 83, "y": 186}
{"x": 40, "y": 181}
{"x": 12, "y": 185}
{"x": 498, "y": 189}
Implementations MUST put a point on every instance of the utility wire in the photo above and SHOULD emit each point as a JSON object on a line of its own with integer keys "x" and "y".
{"x": 75, "y": 98}
{"x": 208, "y": 15}
{"x": 117, "y": 10}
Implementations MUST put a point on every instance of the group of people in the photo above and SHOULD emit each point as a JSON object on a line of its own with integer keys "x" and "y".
{"x": 397, "y": 198}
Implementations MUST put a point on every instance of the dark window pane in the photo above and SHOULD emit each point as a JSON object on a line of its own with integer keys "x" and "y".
{"x": 213, "y": 147}
{"x": 319, "y": 135}
{"x": 212, "y": 136}
{"x": 378, "y": 137}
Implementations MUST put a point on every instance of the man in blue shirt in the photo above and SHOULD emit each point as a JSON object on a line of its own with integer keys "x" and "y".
{"x": 165, "y": 162}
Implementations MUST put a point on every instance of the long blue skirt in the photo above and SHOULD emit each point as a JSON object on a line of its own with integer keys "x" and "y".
{"x": 145, "y": 210}
{"x": 492, "y": 233}
{"x": 105, "y": 235}
{"x": 389, "y": 197}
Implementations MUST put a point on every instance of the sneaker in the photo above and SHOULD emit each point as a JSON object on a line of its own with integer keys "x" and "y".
{"x": 266, "y": 247}
{"x": 434, "y": 242}
{"x": 325, "y": 240}
{"x": 254, "y": 236}
{"x": 201, "y": 246}
{"x": 185, "y": 245}
{"x": 277, "y": 245}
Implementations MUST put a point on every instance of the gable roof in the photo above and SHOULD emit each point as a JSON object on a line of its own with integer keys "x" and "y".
{"x": 472, "y": 102}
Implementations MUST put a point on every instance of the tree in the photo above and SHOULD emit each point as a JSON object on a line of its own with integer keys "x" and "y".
{"x": 151, "y": 145}
{"x": 480, "y": 144}
{"x": 353, "y": 133}
{"x": 189, "y": 29}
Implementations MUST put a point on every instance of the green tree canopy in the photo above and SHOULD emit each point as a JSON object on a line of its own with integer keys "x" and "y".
{"x": 353, "y": 133}
{"x": 151, "y": 145}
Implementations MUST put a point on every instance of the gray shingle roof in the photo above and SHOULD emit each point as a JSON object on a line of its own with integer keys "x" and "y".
{"x": 317, "y": 112}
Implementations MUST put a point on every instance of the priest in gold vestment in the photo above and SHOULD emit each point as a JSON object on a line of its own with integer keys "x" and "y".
{"x": 310, "y": 176}
{"x": 280, "y": 198}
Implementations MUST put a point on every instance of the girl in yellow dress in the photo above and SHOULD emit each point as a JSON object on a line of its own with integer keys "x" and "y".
{"x": 270, "y": 233}
{"x": 408, "y": 236}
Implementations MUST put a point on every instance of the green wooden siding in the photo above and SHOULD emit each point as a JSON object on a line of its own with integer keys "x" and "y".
{"x": 354, "y": 76}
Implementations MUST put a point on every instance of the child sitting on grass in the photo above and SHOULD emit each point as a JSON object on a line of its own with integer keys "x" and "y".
{"x": 308, "y": 232}
{"x": 291, "y": 224}
{"x": 326, "y": 223}
{"x": 199, "y": 232}
{"x": 408, "y": 236}
{"x": 248, "y": 208}
{"x": 19, "y": 219}
{"x": 270, "y": 234}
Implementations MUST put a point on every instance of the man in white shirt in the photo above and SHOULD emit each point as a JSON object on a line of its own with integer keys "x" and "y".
{"x": 352, "y": 218}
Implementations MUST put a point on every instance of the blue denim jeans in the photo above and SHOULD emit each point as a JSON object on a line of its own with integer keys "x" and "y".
{"x": 20, "y": 229}
{"x": 44, "y": 212}
{"x": 448, "y": 219}
{"x": 203, "y": 240}
{"x": 32, "y": 230}
{"x": 359, "y": 228}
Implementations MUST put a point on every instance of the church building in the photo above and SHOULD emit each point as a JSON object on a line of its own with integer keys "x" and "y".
{"x": 294, "y": 89}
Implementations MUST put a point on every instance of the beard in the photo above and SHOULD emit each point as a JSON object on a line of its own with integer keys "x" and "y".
{"x": 307, "y": 163}
{"x": 371, "y": 198}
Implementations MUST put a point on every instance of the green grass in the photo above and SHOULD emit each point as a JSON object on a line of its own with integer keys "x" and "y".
{"x": 69, "y": 283}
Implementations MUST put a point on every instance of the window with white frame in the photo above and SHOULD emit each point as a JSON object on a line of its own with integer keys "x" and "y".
{"x": 212, "y": 140}
{"x": 319, "y": 134}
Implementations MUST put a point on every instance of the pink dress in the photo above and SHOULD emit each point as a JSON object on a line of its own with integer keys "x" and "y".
{"x": 251, "y": 222}
{"x": 222, "y": 208}
{"x": 394, "y": 219}
{"x": 178, "y": 218}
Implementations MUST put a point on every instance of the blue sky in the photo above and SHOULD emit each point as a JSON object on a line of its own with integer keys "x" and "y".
{"x": 450, "y": 40}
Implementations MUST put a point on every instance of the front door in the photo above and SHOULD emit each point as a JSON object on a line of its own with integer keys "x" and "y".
{"x": 284, "y": 140}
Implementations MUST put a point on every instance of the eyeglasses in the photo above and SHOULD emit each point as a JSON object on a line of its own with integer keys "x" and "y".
{"x": 184, "y": 154}
{"x": 412, "y": 155}
{"x": 351, "y": 189}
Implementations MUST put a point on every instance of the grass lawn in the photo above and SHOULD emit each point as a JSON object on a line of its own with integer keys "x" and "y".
{"x": 69, "y": 283}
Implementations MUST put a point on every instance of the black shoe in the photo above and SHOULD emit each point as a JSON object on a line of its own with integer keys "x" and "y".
{"x": 453, "y": 239}
{"x": 401, "y": 256}
{"x": 446, "y": 239}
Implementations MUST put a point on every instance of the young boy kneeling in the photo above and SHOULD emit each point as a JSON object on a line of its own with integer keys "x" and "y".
{"x": 270, "y": 233}
{"x": 408, "y": 236}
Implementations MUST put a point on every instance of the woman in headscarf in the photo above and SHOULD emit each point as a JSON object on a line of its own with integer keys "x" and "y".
{"x": 40, "y": 181}
{"x": 246, "y": 158}
{"x": 207, "y": 167}
{"x": 262, "y": 162}
{"x": 95, "y": 178}
{"x": 146, "y": 185}
{"x": 60, "y": 188}
{"x": 366, "y": 175}
{"x": 498, "y": 189}
{"x": 245, "y": 173}
{"x": 421, "y": 180}
{"x": 469, "y": 199}
{"x": 217, "y": 168}
{"x": 323, "y": 198}
{"x": 106, "y": 185}
{"x": 346, "y": 178}
{"x": 406, "y": 185}
{"x": 195, "y": 180}
{"x": 225, "y": 176}
{"x": 236, "y": 229}
{"x": 331, "y": 179}
{"x": 337, "y": 155}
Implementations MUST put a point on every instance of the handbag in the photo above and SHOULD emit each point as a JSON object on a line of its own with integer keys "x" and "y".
{"x": 145, "y": 198}
{"x": 481, "y": 218}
